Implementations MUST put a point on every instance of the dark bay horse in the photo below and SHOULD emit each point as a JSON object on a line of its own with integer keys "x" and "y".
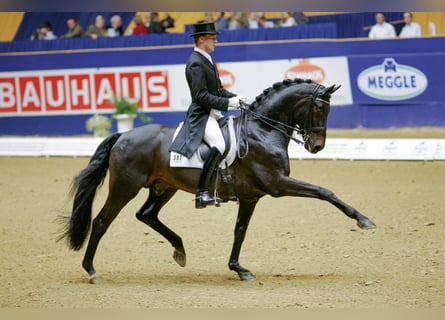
{"x": 140, "y": 159}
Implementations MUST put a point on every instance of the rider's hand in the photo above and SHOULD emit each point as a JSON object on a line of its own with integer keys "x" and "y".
{"x": 234, "y": 102}
{"x": 243, "y": 99}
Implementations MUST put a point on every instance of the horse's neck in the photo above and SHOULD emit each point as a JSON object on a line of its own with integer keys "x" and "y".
{"x": 280, "y": 111}
{"x": 266, "y": 131}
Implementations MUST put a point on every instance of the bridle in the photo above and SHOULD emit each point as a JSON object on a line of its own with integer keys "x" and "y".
{"x": 305, "y": 132}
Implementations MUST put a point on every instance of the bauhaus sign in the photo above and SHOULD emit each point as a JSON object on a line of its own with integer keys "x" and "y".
{"x": 81, "y": 91}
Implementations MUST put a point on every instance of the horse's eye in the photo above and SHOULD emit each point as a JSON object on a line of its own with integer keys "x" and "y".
{"x": 319, "y": 107}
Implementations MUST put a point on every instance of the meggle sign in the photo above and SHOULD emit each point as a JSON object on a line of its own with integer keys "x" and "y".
{"x": 392, "y": 81}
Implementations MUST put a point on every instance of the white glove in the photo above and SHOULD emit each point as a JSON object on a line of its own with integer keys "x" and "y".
{"x": 243, "y": 99}
{"x": 234, "y": 102}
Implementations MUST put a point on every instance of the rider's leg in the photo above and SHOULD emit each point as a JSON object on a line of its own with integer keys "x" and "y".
{"x": 215, "y": 139}
{"x": 202, "y": 196}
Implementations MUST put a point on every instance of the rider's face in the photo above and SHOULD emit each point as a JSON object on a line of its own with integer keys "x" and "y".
{"x": 208, "y": 43}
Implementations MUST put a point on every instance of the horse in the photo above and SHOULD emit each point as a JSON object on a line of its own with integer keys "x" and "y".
{"x": 139, "y": 158}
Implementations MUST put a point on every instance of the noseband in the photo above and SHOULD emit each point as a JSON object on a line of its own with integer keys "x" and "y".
{"x": 305, "y": 132}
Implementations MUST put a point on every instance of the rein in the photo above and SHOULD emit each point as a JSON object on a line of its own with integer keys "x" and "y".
{"x": 241, "y": 130}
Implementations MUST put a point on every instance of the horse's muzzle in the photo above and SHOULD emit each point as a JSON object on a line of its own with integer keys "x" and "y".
{"x": 317, "y": 148}
{"x": 315, "y": 143}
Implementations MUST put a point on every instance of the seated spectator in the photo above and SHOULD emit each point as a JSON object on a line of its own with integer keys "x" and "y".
{"x": 410, "y": 29}
{"x": 139, "y": 27}
{"x": 382, "y": 29}
{"x": 221, "y": 21}
{"x": 75, "y": 30}
{"x": 287, "y": 20}
{"x": 263, "y": 22}
{"x": 147, "y": 20}
{"x": 44, "y": 32}
{"x": 300, "y": 18}
{"x": 114, "y": 29}
{"x": 237, "y": 20}
{"x": 97, "y": 29}
{"x": 252, "y": 20}
{"x": 168, "y": 22}
{"x": 155, "y": 24}
{"x": 208, "y": 17}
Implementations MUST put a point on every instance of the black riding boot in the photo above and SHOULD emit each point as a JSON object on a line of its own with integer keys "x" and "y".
{"x": 202, "y": 196}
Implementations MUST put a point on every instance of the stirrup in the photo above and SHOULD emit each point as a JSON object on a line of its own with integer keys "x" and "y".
{"x": 203, "y": 199}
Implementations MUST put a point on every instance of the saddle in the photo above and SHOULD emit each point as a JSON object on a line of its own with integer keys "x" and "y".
{"x": 198, "y": 158}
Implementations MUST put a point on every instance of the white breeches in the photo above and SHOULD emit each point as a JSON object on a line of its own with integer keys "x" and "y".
{"x": 213, "y": 135}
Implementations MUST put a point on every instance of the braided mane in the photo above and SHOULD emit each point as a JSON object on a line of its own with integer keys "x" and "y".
{"x": 277, "y": 86}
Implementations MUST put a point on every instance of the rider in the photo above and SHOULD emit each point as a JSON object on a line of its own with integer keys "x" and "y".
{"x": 209, "y": 98}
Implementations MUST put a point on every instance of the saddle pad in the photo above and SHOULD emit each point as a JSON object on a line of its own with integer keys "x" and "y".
{"x": 178, "y": 160}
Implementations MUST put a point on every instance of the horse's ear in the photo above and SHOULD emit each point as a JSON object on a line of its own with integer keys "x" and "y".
{"x": 333, "y": 88}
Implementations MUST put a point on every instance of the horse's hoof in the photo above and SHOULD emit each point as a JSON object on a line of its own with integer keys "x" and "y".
{"x": 93, "y": 279}
{"x": 366, "y": 224}
{"x": 179, "y": 257}
{"x": 246, "y": 276}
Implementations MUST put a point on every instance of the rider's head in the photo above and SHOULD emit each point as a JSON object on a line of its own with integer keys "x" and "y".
{"x": 204, "y": 35}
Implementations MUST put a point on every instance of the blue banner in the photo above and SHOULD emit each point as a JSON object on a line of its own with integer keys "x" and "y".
{"x": 397, "y": 78}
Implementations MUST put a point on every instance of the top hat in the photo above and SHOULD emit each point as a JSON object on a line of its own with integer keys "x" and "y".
{"x": 200, "y": 29}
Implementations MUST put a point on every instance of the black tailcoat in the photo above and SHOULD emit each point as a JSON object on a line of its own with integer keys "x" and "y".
{"x": 207, "y": 93}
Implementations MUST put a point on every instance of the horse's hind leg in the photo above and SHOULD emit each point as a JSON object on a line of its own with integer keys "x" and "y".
{"x": 148, "y": 214}
{"x": 113, "y": 205}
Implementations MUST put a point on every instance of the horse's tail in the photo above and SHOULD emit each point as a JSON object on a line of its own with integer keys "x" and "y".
{"x": 83, "y": 188}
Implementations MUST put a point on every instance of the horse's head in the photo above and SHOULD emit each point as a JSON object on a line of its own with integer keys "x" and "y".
{"x": 296, "y": 105}
{"x": 314, "y": 118}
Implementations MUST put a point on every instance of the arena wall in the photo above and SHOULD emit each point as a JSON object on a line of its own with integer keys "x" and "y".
{"x": 385, "y": 83}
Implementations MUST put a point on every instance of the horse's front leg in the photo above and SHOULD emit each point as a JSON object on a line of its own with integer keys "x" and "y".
{"x": 291, "y": 187}
{"x": 245, "y": 211}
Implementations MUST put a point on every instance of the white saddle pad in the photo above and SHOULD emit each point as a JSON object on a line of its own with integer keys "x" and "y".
{"x": 178, "y": 160}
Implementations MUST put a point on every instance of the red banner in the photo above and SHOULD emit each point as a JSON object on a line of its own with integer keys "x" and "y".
{"x": 73, "y": 91}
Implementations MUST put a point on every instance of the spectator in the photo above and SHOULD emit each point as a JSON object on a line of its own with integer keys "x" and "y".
{"x": 75, "y": 30}
{"x": 237, "y": 20}
{"x": 252, "y": 20}
{"x": 263, "y": 22}
{"x": 44, "y": 32}
{"x": 155, "y": 24}
{"x": 300, "y": 18}
{"x": 114, "y": 29}
{"x": 208, "y": 17}
{"x": 97, "y": 29}
{"x": 221, "y": 21}
{"x": 139, "y": 27}
{"x": 410, "y": 29}
{"x": 168, "y": 22}
{"x": 287, "y": 20}
{"x": 147, "y": 20}
{"x": 382, "y": 29}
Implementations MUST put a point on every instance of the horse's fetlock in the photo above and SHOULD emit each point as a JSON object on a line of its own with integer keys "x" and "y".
{"x": 233, "y": 265}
